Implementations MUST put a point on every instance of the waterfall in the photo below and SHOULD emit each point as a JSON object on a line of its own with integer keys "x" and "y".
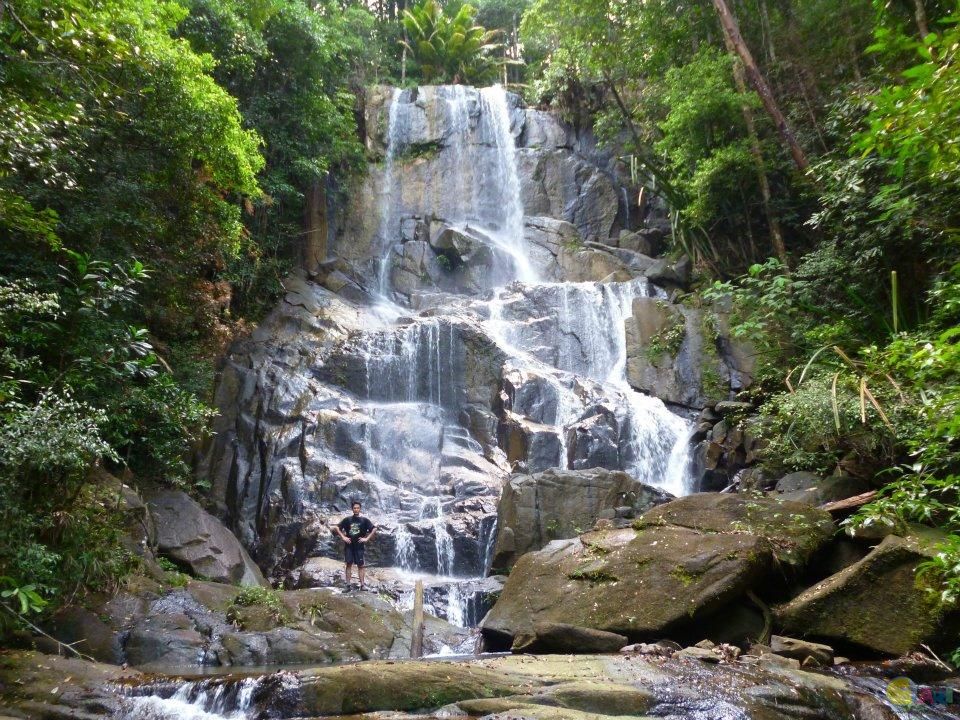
{"x": 212, "y": 699}
{"x": 387, "y": 204}
{"x": 581, "y": 332}
{"x": 414, "y": 441}
{"x": 501, "y": 204}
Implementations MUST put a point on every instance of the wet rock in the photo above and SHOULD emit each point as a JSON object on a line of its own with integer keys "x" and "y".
{"x": 801, "y": 650}
{"x": 557, "y": 504}
{"x": 192, "y": 537}
{"x": 557, "y": 183}
{"x": 403, "y": 686}
{"x": 541, "y": 130}
{"x": 876, "y": 604}
{"x": 38, "y": 686}
{"x": 671, "y": 354}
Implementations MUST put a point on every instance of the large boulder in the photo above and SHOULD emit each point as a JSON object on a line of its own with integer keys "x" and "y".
{"x": 192, "y": 537}
{"x": 877, "y": 603}
{"x": 557, "y": 504}
{"x": 795, "y": 531}
{"x": 678, "y": 566}
{"x": 642, "y": 584}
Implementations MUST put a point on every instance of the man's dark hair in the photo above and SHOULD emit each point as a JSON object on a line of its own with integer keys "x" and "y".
{"x": 356, "y": 502}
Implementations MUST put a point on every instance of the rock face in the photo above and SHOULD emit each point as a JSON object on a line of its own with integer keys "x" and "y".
{"x": 877, "y": 603}
{"x": 192, "y": 537}
{"x": 556, "y": 504}
{"x": 204, "y": 624}
{"x": 472, "y": 323}
{"x": 685, "y": 561}
{"x": 683, "y": 354}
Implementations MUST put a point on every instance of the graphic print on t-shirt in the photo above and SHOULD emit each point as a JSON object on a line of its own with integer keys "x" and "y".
{"x": 355, "y": 527}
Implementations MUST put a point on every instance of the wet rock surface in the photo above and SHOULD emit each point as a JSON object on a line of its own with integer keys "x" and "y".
{"x": 558, "y": 686}
{"x": 205, "y": 624}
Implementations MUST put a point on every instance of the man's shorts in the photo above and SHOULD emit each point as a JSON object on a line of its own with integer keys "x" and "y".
{"x": 354, "y": 553}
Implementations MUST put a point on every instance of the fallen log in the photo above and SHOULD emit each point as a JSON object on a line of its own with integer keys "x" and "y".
{"x": 851, "y": 503}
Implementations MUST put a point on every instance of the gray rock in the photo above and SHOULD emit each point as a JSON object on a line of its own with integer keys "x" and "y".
{"x": 559, "y": 638}
{"x": 728, "y": 407}
{"x": 801, "y": 650}
{"x": 189, "y": 535}
{"x": 556, "y": 504}
{"x": 560, "y": 184}
{"x": 811, "y": 489}
{"x": 699, "y": 653}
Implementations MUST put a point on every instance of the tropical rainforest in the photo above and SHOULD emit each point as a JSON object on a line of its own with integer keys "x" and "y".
{"x": 158, "y": 157}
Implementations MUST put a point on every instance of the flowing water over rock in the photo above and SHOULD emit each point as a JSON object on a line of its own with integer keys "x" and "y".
{"x": 474, "y": 357}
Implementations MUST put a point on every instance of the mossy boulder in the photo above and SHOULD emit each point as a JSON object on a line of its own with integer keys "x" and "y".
{"x": 794, "y": 530}
{"x": 642, "y": 584}
{"x": 877, "y": 604}
{"x": 38, "y": 686}
{"x": 400, "y": 686}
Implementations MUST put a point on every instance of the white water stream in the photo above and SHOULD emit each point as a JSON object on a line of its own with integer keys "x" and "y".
{"x": 415, "y": 364}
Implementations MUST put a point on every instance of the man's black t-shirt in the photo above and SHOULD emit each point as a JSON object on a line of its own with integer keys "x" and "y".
{"x": 355, "y": 527}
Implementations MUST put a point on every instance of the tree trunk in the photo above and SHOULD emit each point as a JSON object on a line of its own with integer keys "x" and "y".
{"x": 767, "y": 32}
{"x": 920, "y": 12}
{"x": 731, "y": 31}
{"x": 776, "y": 237}
{"x": 314, "y": 249}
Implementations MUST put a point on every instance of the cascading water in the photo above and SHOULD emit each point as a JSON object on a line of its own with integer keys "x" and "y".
{"x": 570, "y": 335}
{"x": 213, "y": 699}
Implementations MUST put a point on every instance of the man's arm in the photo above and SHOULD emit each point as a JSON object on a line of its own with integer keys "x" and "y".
{"x": 369, "y": 535}
{"x": 339, "y": 531}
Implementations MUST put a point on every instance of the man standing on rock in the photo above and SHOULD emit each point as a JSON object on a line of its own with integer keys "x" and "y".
{"x": 355, "y": 531}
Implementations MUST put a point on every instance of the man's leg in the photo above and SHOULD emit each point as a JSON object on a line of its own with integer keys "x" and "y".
{"x": 360, "y": 573}
{"x": 348, "y": 573}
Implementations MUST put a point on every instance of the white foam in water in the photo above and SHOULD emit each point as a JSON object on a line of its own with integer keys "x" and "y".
{"x": 195, "y": 701}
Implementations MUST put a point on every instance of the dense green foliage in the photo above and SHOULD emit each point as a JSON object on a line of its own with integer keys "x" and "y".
{"x": 449, "y": 48}
{"x": 154, "y": 158}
